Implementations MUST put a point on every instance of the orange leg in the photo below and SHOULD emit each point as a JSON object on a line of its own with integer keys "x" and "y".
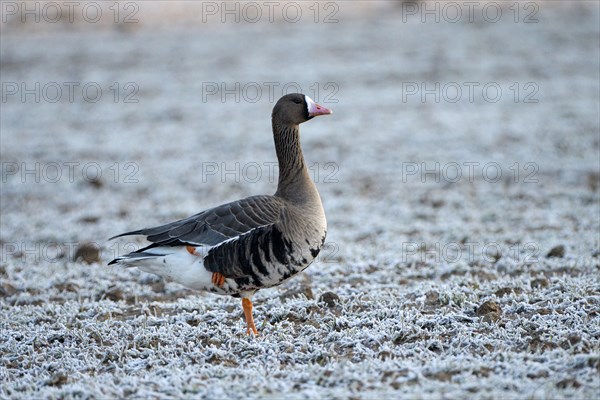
{"x": 191, "y": 250}
{"x": 218, "y": 279}
{"x": 247, "y": 305}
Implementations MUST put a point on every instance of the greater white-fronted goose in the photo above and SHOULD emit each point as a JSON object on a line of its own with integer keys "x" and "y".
{"x": 250, "y": 244}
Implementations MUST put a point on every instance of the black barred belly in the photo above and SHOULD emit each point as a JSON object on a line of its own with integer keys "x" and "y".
{"x": 262, "y": 258}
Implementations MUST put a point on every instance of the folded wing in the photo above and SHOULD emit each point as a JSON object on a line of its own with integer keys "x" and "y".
{"x": 216, "y": 225}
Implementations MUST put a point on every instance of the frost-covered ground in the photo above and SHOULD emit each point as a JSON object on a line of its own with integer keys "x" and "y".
{"x": 433, "y": 284}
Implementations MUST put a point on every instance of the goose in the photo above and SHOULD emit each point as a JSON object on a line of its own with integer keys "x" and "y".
{"x": 249, "y": 244}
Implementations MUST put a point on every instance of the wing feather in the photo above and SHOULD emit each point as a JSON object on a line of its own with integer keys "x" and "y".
{"x": 215, "y": 225}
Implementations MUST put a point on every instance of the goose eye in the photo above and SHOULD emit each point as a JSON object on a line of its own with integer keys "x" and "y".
{"x": 297, "y": 101}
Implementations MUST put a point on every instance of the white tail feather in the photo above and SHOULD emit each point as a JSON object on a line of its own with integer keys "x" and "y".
{"x": 173, "y": 263}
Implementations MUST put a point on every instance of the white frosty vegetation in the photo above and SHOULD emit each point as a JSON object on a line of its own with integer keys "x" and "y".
{"x": 429, "y": 288}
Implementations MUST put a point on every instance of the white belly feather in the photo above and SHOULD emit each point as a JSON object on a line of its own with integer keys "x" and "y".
{"x": 178, "y": 265}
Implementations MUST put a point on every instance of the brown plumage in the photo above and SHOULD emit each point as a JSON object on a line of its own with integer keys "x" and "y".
{"x": 246, "y": 245}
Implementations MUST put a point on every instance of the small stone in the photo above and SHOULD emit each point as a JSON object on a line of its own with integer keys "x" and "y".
{"x": 96, "y": 183}
{"x": 158, "y": 287}
{"x": 67, "y": 287}
{"x": 490, "y": 311}
{"x": 568, "y": 383}
{"x": 88, "y": 252}
{"x": 113, "y": 293}
{"x": 193, "y": 320}
{"x": 503, "y": 291}
{"x": 435, "y": 347}
{"x": 538, "y": 374}
{"x": 593, "y": 180}
{"x": 488, "y": 307}
{"x": 437, "y": 203}
{"x": 58, "y": 379}
{"x": 89, "y": 219}
{"x": 539, "y": 283}
{"x": 571, "y": 340}
{"x": 432, "y": 298}
{"x": 557, "y": 251}
{"x": 6, "y": 289}
{"x": 329, "y": 298}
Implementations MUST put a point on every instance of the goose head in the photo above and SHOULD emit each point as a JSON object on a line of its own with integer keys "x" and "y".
{"x": 296, "y": 108}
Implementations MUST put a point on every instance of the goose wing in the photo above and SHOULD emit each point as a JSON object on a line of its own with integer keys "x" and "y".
{"x": 216, "y": 225}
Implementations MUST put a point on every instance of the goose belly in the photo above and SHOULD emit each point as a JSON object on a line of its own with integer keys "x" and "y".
{"x": 265, "y": 258}
{"x": 302, "y": 255}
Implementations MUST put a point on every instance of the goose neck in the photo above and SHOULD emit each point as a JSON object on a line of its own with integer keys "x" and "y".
{"x": 294, "y": 179}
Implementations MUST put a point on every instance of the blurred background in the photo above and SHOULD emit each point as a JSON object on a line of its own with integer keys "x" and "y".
{"x": 469, "y": 127}
{"x": 158, "y": 100}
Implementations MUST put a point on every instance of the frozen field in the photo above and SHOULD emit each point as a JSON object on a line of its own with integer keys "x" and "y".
{"x": 460, "y": 175}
